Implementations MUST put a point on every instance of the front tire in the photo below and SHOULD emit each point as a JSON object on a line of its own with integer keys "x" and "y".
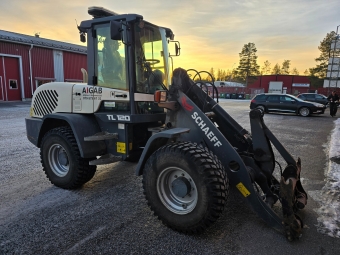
{"x": 304, "y": 111}
{"x": 61, "y": 160}
{"x": 185, "y": 186}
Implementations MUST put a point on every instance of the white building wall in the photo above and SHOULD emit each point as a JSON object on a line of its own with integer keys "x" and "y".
{"x": 58, "y": 65}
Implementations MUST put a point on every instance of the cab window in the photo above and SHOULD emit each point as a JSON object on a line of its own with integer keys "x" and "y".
{"x": 111, "y": 59}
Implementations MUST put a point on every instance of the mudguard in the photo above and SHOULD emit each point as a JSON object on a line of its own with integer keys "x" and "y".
{"x": 155, "y": 142}
{"x": 36, "y": 129}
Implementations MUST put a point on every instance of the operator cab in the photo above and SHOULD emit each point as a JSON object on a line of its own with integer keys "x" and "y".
{"x": 127, "y": 53}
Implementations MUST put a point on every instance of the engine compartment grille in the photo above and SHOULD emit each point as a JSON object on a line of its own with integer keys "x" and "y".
{"x": 45, "y": 102}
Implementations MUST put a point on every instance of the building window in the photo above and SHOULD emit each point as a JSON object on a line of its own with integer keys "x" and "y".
{"x": 13, "y": 84}
{"x": 41, "y": 81}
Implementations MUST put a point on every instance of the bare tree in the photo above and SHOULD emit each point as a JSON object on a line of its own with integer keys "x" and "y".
{"x": 276, "y": 69}
{"x": 295, "y": 71}
{"x": 265, "y": 68}
{"x": 285, "y": 67}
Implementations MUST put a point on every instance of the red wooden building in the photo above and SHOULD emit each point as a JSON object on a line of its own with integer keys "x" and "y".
{"x": 26, "y": 62}
{"x": 291, "y": 84}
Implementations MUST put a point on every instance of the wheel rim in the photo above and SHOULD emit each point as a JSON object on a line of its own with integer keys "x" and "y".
{"x": 58, "y": 159}
{"x": 304, "y": 111}
{"x": 177, "y": 190}
{"x": 261, "y": 108}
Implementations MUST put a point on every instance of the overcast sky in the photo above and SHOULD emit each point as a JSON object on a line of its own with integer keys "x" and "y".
{"x": 212, "y": 33}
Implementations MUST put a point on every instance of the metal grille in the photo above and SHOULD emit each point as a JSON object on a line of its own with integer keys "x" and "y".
{"x": 45, "y": 102}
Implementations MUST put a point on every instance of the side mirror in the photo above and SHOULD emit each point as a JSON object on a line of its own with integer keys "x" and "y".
{"x": 160, "y": 96}
{"x": 82, "y": 37}
{"x": 177, "y": 48}
{"x": 116, "y": 30}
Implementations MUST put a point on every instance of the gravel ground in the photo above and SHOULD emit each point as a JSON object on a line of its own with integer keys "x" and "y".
{"x": 109, "y": 214}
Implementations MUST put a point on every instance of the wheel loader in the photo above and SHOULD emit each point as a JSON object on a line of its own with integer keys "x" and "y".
{"x": 189, "y": 149}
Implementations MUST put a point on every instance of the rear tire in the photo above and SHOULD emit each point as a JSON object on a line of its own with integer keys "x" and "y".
{"x": 185, "y": 186}
{"x": 61, "y": 160}
{"x": 262, "y": 108}
{"x": 304, "y": 111}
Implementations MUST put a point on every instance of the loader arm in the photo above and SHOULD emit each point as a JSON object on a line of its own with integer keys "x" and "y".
{"x": 247, "y": 158}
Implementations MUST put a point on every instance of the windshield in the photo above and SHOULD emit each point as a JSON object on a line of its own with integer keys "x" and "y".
{"x": 296, "y": 98}
{"x": 151, "y": 73}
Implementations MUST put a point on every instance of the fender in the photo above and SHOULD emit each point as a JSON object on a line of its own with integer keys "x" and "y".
{"x": 155, "y": 142}
{"x": 36, "y": 129}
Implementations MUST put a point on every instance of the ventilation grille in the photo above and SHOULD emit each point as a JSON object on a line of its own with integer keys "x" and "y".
{"x": 45, "y": 102}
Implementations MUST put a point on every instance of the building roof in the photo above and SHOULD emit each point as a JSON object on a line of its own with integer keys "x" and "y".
{"x": 40, "y": 42}
{"x": 228, "y": 84}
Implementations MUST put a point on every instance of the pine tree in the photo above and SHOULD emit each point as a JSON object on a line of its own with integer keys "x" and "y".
{"x": 248, "y": 63}
{"x": 326, "y": 52}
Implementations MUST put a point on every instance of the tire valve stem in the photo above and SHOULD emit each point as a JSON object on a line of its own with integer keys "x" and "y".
{"x": 184, "y": 206}
{"x": 176, "y": 176}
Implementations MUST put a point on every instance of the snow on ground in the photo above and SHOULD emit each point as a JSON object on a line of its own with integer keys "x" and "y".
{"x": 329, "y": 196}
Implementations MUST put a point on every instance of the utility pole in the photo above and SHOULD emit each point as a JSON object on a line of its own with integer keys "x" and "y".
{"x": 331, "y": 72}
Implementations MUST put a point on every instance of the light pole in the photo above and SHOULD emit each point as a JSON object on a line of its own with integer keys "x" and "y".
{"x": 334, "y": 49}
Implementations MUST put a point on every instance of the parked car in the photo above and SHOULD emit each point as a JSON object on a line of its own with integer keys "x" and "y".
{"x": 269, "y": 102}
{"x": 313, "y": 97}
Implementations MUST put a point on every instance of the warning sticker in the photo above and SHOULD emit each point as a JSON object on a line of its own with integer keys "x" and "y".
{"x": 121, "y": 148}
{"x": 243, "y": 189}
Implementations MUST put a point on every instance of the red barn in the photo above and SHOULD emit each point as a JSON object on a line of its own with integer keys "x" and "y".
{"x": 26, "y": 62}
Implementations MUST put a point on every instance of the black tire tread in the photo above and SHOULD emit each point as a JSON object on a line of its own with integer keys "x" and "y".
{"x": 85, "y": 172}
{"x": 213, "y": 173}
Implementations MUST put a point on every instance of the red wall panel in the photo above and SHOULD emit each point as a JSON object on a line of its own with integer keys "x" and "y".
{"x": 2, "y": 83}
{"x": 73, "y": 63}
{"x": 19, "y": 50}
{"x": 288, "y": 80}
{"x": 42, "y": 63}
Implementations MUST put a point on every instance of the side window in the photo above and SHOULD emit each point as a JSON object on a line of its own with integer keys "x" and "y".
{"x": 261, "y": 97}
{"x": 310, "y": 96}
{"x": 110, "y": 60}
{"x": 273, "y": 98}
{"x": 287, "y": 99}
{"x": 318, "y": 97}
